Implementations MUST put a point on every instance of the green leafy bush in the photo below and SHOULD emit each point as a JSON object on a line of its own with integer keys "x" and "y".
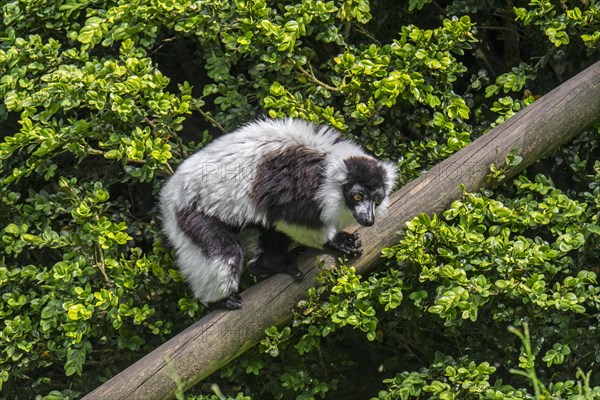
{"x": 101, "y": 100}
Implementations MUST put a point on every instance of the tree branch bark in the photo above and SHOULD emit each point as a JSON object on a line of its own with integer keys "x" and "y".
{"x": 222, "y": 336}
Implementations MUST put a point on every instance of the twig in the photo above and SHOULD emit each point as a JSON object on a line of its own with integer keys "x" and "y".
{"x": 314, "y": 79}
{"x": 164, "y": 42}
{"x": 100, "y": 263}
{"x": 210, "y": 119}
{"x": 149, "y": 122}
{"x": 361, "y": 29}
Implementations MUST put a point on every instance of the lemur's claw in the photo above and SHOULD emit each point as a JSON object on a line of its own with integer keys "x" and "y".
{"x": 347, "y": 243}
{"x": 297, "y": 274}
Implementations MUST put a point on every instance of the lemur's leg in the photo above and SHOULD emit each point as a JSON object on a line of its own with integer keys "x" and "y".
{"x": 214, "y": 271}
{"x": 276, "y": 256}
{"x": 347, "y": 243}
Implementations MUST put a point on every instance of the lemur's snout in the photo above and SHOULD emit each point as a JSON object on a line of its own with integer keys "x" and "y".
{"x": 364, "y": 213}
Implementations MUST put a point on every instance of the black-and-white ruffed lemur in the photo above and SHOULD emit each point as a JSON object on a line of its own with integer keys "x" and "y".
{"x": 248, "y": 194}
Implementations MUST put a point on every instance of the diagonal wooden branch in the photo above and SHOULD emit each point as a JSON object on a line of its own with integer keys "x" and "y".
{"x": 222, "y": 336}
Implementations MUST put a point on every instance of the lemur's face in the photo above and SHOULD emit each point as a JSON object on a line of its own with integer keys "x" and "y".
{"x": 364, "y": 188}
{"x": 362, "y": 202}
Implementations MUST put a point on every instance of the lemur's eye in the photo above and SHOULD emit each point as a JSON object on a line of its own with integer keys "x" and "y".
{"x": 378, "y": 200}
{"x": 357, "y": 197}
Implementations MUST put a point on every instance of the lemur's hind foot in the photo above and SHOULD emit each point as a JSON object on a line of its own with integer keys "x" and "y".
{"x": 233, "y": 302}
{"x": 272, "y": 264}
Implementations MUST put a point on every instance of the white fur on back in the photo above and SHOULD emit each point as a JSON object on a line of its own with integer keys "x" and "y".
{"x": 221, "y": 174}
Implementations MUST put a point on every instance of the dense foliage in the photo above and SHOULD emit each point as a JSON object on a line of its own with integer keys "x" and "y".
{"x": 497, "y": 298}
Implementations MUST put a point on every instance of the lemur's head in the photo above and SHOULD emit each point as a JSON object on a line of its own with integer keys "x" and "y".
{"x": 366, "y": 187}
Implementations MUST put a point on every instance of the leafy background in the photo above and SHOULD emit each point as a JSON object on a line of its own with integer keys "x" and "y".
{"x": 497, "y": 298}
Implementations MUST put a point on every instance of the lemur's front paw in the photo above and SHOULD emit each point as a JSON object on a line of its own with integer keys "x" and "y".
{"x": 347, "y": 243}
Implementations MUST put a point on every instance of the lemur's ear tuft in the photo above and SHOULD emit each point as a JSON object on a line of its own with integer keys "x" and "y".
{"x": 391, "y": 176}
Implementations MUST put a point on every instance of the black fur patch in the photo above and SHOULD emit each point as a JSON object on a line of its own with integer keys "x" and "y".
{"x": 367, "y": 172}
{"x": 286, "y": 184}
{"x": 272, "y": 241}
{"x": 213, "y": 236}
{"x": 276, "y": 256}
